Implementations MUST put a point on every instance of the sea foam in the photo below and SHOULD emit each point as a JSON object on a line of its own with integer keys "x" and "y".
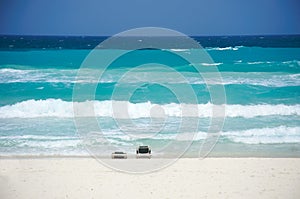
{"x": 270, "y": 79}
{"x": 125, "y": 109}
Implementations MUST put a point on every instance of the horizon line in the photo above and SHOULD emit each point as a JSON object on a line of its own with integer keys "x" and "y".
{"x": 225, "y": 35}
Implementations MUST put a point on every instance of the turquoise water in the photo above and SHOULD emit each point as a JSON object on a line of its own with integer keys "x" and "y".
{"x": 262, "y": 86}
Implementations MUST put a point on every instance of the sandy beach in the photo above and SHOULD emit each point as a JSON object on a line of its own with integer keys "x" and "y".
{"x": 187, "y": 178}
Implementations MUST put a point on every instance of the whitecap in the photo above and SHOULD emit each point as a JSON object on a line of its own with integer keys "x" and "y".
{"x": 125, "y": 109}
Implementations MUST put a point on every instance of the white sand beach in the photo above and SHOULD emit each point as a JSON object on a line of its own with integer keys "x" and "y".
{"x": 187, "y": 178}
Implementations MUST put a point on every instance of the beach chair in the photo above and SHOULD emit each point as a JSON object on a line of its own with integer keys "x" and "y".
{"x": 143, "y": 152}
{"x": 119, "y": 155}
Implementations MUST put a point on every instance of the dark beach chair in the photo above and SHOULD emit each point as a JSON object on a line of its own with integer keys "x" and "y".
{"x": 143, "y": 152}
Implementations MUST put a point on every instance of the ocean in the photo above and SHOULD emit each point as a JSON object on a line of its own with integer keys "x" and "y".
{"x": 260, "y": 76}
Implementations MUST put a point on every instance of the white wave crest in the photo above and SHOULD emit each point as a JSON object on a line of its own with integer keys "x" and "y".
{"x": 179, "y": 50}
{"x": 276, "y": 135}
{"x": 211, "y": 64}
{"x": 69, "y": 76}
{"x": 125, "y": 109}
{"x": 225, "y": 48}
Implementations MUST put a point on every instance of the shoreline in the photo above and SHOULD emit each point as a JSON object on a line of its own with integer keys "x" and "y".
{"x": 132, "y": 156}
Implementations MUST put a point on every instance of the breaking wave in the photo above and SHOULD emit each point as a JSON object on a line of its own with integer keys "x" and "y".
{"x": 60, "y": 108}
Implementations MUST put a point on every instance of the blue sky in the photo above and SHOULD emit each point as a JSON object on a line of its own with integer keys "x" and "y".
{"x": 108, "y": 17}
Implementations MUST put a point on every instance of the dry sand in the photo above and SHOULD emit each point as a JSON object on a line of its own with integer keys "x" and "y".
{"x": 45, "y": 178}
